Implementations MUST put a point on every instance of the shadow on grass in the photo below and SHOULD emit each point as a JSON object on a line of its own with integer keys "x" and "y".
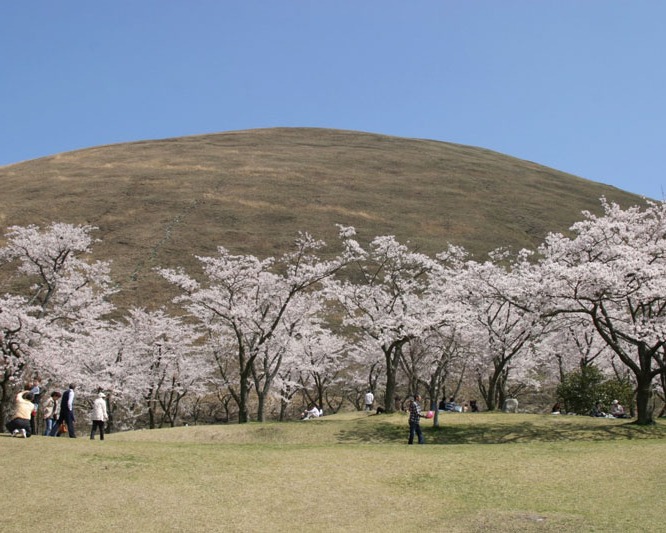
{"x": 505, "y": 432}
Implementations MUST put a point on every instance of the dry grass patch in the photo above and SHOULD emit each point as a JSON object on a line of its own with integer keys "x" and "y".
{"x": 157, "y": 203}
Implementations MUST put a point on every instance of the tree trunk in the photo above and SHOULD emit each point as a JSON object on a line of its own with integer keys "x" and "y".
{"x": 109, "y": 423}
{"x": 644, "y": 401}
{"x": 5, "y": 400}
{"x": 261, "y": 406}
{"x": 150, "y": 400}
{"x": 151, "y": 418}
{"x": 663, "y": 398}
{"x": 644, "y": 377}
{"x": 245, "y": 385}
{"x": 392, "y": 354}
{"x": 243, "y": 395}
{"x": 489, "y": 393}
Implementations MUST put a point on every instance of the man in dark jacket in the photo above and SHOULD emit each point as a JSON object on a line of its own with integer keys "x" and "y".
{"x": 66, "y": 412}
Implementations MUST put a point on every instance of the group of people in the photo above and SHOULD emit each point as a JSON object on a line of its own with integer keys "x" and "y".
{"x": 57, "y": 412}
{"x": 452, "y": 406}
{"x": 598, "y": 411}
{"x": 616, "y": 410}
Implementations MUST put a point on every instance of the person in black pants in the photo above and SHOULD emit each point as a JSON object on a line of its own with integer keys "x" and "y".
{"x": 66, "y": 412}
{"x": 415, "y": 420}
{"x": 99, "y": 416}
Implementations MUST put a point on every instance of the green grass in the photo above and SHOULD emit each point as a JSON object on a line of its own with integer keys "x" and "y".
{"x": 347, "y": 472}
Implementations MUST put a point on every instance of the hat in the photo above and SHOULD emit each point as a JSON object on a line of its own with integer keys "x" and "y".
{"x": 101, "y": 395}
{"x": 615, "y": 402}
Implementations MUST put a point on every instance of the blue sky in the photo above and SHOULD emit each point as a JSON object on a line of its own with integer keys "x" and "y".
{"x": 577, "y": 85}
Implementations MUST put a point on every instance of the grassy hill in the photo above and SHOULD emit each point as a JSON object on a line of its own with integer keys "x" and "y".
{"x": 157, "y": 203}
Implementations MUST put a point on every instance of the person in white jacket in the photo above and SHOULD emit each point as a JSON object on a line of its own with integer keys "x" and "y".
{"x": 99, "y": 416}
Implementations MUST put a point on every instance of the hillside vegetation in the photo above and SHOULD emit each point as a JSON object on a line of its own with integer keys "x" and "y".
{"x": 158, "y": 203}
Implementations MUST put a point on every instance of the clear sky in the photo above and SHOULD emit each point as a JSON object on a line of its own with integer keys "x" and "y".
{"x": 577, "y": 85}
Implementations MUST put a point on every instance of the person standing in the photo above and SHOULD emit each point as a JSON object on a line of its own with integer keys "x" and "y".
{"x": 369, "y": 400}
{"x": 415, "y": 420}
{"x": 51, "y": 410}
{"x": 19, "y": 426}
{"x": 99, "y": 416}
{"x": 66, "y": 412}
{"x": 36, "y": 390}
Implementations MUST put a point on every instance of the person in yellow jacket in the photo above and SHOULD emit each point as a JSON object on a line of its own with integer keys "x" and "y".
{"x": 19, "y": 426}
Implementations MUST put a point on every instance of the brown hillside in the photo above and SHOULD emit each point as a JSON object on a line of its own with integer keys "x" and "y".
{"x": 160, "y": 202}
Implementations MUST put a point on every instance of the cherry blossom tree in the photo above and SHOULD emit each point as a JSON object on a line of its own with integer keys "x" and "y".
{"x": 285, "y": 345}
{"x": 17, "y": 331}
{"x": 445, "y": 349}
{"x": 364, "y": 368}
{"x": 386, "y": 301}
{"x": 159, "y": 362}
{"x": 443, "y": 355}
{"x": 243, "y": 300}
{"x": 62, "y": 292}
{"x": 573, "y": 343}
{"x": 288, "y": 386}
{"x": 613, "y": 270}
{"x": 320, "y": 359}
{"x": 507, "y": 321}
{"x": 66, "y": 287}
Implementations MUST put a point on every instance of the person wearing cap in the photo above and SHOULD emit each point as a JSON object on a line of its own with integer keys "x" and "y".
{"x": 617, "y": 410}
{"x": 99, "y": 416}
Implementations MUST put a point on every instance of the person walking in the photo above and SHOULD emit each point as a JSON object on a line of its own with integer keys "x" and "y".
{"x": 99, "y": 416}
{"x": 51, "y": 410}
{"x": 415, "y": 420}
{"x": 66, "y": 412}
{"x": 19, "y": 425}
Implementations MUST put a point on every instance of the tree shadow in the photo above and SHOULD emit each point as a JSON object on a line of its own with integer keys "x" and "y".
{"x": 375, "y": 434}
{"x": 505, "y": 432}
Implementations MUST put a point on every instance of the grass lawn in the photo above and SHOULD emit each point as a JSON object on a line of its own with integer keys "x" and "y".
{"x": 347, "y": 472}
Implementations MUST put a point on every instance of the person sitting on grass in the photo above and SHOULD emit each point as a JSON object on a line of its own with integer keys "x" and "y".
{"x": 617, "y": 410}
{"x": 598, "y": 410}
{"x": 313, "y": 412}
{"x": 449, "y": 406}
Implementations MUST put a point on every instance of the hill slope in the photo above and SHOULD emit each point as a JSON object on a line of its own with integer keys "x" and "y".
{"x": 156, "y": 203}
